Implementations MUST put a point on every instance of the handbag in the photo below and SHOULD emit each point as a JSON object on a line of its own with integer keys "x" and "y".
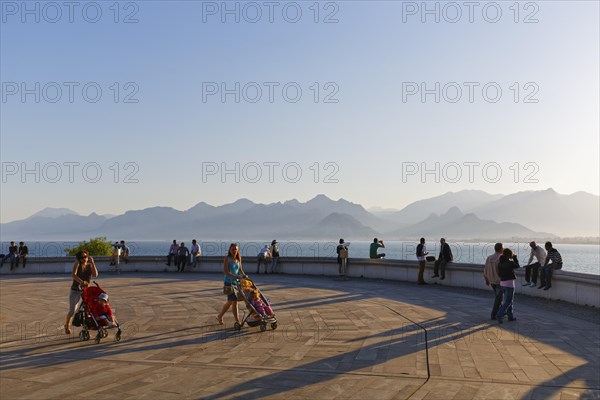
{"x": 79, "y": 318}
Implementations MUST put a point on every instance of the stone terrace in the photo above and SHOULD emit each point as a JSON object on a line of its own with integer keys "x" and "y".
{"x": 356, "y": 339}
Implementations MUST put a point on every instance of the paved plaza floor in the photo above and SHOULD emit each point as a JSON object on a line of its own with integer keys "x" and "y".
{"x": 356, "y": 339}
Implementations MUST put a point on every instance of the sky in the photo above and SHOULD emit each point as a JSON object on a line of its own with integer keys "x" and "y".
{"x": 113, "y": 106}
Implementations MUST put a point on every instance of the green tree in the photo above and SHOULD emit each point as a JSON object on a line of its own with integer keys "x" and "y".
{"x": 95, "y": 247}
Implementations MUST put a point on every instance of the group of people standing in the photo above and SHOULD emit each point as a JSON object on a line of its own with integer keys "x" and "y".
{"x": 182, "y": 256}
{"x": 120, "y": 252}
{"x": 499, "y": 273}
{"x": 15, "y": 254}
{"x": 269, "y": 257}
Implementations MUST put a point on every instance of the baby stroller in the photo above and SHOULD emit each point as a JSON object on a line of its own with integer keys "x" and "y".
{"x": 85, "y": 317}
{"x": 245, "y": 289}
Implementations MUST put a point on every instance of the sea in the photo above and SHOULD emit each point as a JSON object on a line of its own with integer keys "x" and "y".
{"x": 583, "y": 258}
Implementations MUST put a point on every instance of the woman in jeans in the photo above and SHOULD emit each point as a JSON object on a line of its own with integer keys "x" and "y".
{"x": 506, "y": 271}
{"x": 83, "y": 271}
{"x": 232, "y": 270}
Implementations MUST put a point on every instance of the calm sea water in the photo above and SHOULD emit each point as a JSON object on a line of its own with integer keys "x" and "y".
{"x": 577, "y": 257}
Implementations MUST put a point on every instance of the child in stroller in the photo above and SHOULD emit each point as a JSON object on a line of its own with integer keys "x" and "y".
{"x": 102, "y": 312}
{"x": 260, "y": 311}
{"x": 95, "y": 314}
{"x": 264, "y": 310}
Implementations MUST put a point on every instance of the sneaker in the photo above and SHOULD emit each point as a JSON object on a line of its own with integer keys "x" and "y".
{"x": 499, "y": 319}
{"x": 533, "y": 284}
{"x": 547, "y": 287}
{"x": 527, "y": 284}
{"x": 442, "y": 278}
{"x": 541, "y": 287}
{"x": 512, "y": 319}
{"x": 435, "y": 276}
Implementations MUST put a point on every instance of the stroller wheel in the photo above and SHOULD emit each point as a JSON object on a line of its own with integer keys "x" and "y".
{"x": 263, "y": 327}
{"x": 104, "y": 332}
{"x": 97, "y": 340}
{"x": 237, "y": 326}
{"x": 84, "y": 335}
{"x": 118, "y": 336}
{"x": 274, "y": 325}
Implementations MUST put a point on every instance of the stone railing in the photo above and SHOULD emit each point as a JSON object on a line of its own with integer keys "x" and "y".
{"x": 577, "y": 288}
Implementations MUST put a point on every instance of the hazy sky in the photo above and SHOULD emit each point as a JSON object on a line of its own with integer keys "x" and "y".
{"x": 348, "y": 101}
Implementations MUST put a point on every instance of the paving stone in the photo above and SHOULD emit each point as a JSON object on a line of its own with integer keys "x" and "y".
{"x": 334, "y": 341}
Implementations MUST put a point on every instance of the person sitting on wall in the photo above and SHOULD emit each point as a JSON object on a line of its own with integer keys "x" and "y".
{"x": 444, "y": 258}
{"x": 374, "y": 247}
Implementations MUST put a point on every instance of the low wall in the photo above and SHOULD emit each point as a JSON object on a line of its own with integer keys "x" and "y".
{"x": 577, "y": 288}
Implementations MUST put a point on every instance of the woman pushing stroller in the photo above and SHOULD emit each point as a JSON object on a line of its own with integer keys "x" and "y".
{"x": 83, "y": 271}
{"x": 232, "y": 270}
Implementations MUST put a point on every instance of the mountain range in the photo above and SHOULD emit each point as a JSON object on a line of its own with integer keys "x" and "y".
{"x": 467, "y": 214}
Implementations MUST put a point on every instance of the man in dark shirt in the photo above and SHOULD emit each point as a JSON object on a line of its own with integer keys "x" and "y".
{"x": 12, "y": 255}
{"x": 23, "y": 252}
{"x": 374, "y": 247}
{"x": 549, "y": 267}
{"x": 444, "y": 258}
{"x": 342, "y": 258}
{"x": 182, "y": 257}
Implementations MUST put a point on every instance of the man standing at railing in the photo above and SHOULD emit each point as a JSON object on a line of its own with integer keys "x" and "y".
{"x": 182, "y": 257}
{"x": 492, "y": 278}
{"x": 124, "y": 251}
{"x": 274, "y": 256}
{"x": 421, "y": 254}
{"x": 342, "y": 258}
{"x": 195, "y": 253}
{"x": 172, "y": 253}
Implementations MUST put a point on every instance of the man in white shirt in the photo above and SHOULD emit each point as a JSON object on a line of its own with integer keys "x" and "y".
{"x": 540, "y": 255}
{"x": 195, "y": 253}
{"x": 492, "y": 278}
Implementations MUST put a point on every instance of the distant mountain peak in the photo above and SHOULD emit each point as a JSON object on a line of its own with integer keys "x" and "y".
{"x": 292, "y": 202}
{"x": 243, "y": 201}
{"x": 453, "y": 212}
{"x": 320, "y": 198}
{"x": 51, "y": 212}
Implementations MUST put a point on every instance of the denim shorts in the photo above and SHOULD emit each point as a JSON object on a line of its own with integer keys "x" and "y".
{"x": 233, "y": 296}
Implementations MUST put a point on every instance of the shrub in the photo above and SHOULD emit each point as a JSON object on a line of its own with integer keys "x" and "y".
{"x": 95, "y": 247}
